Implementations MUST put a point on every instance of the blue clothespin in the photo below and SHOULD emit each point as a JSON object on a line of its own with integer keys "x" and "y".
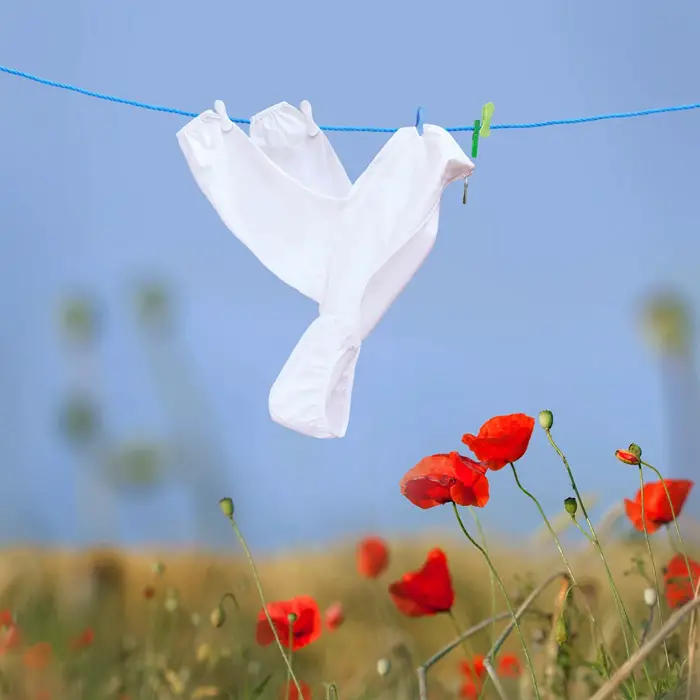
{"x": 419, "y": 121}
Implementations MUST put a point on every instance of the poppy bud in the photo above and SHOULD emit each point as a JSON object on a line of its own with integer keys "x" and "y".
{"x": 650, "y": 597}
{"x": 561, "y": 632}
{"x": 217, "y": 617}
{"x": 546, "y": 419}
{"x": 158, "y": 568}
{"x": 383, "y": 667}
{"x": 292, "y": 617}
{"x": 226, "y": 505}
{"x": 627, "y": 457}
{"x": 636, "y": 450}
{"x": 571, "y": 505}
{"x": 203, "y": 653}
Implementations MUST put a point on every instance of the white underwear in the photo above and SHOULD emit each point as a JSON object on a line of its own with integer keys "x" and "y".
{"x": 350, "y": 247}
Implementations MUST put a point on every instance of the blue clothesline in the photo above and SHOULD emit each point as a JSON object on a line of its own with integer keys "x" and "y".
{"x": 375, "y": 129}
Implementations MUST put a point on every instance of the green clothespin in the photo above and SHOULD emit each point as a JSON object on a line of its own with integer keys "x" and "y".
{"x": 486, "y": 116}
{"x": 482, "y": 127}
{"x": 475, "y": 138}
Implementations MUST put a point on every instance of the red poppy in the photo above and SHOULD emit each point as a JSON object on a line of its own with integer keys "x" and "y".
{"x": 10, "y": 638}
{"x": 509, "y": 665}
{"x": 501, "y": 440}
{"x": 475, "y": 670}
{"x": 290, "y": 692}
{"x": 427, "y": 591}
{"x": 38, "y": 656}
{"x": 627, "y": 457}
{"x": 298, "y": 619}
{"x": 469, "y": 690}
{"x": 335, "y": 616}
{"x": 680, "y": 583}
{"x": 83, "y": 640}
{"x": 446, "y": 478}
{"x": 149, "y": 592}
{"x": 657, "y": 510}
{"x": 372, "y": 557}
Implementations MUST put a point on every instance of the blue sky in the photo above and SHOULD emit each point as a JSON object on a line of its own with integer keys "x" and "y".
{"x": 527, "y": 301}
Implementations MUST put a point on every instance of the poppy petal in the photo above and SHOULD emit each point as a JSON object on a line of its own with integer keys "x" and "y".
{"x": 501, "y": 440}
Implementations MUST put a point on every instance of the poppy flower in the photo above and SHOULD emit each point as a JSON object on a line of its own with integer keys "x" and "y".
{"x": 38, "y": 656}
{"x": 509, "y": 665}
{"x": 290, "y": 692}
{"x": 335, "y": 616}
{"x": 10, "y": 638}
{"x": 627, "y": 457}
{"x": 680, "y": 582}
{"x": 83, "y": 640}
{"x": 446, "y": 478}
{"x": 297, "y": 619}
{"x": 501, "y": 440}
{"x": 6, "y": 619}
{"x": 657, "y": 510}
{"x": 427, "y": 591}
{"x": 149, "y": 592}
{"x": 469, "y": 691}
{"x": 475, "y": 670}
{"x": 372, "y": 557}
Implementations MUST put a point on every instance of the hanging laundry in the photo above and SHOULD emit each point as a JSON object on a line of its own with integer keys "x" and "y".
{"x": 284, "y": 194}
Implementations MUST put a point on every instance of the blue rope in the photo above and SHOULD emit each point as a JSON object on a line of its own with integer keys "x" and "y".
{"x": 374, "y": 129}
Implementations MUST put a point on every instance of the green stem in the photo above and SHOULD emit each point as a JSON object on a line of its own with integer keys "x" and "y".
{"x": 291, "y": 657}
{"x": 596, "y": 543}
{"x": 261, "y": 594}
{"x": 595, "y": 629}
{"x": 622, "y": 611}
{"x": 516, "y": 623}
{"x": 671, "y": 543}
{"x": 675, "y": 519}
{"x": 653, "y": 568}
{"x": 466, "y": 645}
{"x": 458, "y": 629}
{"x": 231, "y": 597}
{"x": 492, "y": 581}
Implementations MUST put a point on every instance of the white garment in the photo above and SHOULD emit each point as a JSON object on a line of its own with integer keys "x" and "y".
{"x": 282, "y": 192}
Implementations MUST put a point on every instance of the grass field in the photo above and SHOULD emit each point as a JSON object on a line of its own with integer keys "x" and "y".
{"x": 153, "y": 637}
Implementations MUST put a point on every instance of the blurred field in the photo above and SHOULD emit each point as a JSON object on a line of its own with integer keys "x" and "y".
{"x": 168, "y": 642}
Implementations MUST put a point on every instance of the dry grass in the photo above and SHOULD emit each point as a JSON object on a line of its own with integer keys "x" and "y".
{"x": 56, "y": 593}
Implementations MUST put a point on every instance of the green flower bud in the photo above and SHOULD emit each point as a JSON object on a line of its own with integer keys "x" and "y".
{"x": 561, "y": 632}
{"x": 217, "y": 617}
{"x": 226, "y": 505}
{"x": 292, "y": 617}
{"x": 627, "y": 457}
{"x": 571, "y": 505}
{"x": 383, "y": 667}
{"x": 636, "y": 450}
{"x": 546, "y": 419}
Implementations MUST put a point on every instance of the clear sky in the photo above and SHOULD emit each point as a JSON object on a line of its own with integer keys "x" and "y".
{"x": 527, "y": 301}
